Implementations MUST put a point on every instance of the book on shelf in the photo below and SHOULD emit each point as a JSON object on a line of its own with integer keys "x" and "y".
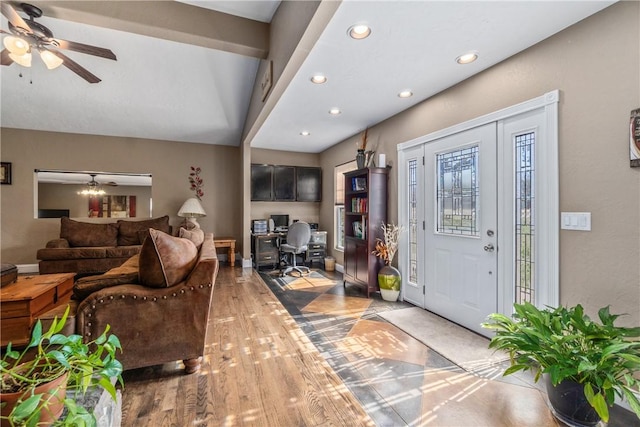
{"x": 358, "y": 230}
{"x": 359, "y": 205}
{"x": 359, "y": 184}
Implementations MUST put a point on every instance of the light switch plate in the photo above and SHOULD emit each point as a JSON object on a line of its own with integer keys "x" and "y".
{"x": 580, "y": 221}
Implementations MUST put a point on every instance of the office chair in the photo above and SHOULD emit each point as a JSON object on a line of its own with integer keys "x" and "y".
{"x": 297, "y": 240}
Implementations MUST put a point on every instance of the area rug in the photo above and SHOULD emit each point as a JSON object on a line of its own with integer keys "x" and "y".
{"x": 461, "y": 346}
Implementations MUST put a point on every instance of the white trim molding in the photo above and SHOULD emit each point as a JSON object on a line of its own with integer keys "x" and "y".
{"x": 547, "y": 192}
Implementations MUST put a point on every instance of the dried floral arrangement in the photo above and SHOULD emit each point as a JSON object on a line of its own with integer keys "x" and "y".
{"x": 387, "y": 247}
{"x": 196, "y": 182}
{"x": 362, "y": 144}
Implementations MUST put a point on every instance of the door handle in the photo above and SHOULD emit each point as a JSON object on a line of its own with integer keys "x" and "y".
{"x": 489, "y": 248}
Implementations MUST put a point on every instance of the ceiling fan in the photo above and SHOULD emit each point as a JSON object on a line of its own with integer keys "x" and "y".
{"x": 94, "y": 188}
{"x": 27, "y": 36}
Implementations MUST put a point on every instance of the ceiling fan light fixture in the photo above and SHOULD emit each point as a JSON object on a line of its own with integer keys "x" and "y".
{"x": 24, "y": 60}
{"x": 16, "y": 45}
{"x": 50, "y": 59}
{"x": 93, "y": 188}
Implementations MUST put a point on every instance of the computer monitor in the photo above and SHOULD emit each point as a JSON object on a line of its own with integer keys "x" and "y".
{"x": 280, "y": 222}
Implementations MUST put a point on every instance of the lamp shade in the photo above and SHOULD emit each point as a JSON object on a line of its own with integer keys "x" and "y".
{"x": 24, "y": 59}
{"x": 16, "y": 45}
{"x": 191, "y": 209}
{"x": 50, "y": 59}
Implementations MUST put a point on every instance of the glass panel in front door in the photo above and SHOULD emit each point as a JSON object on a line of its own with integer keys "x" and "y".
{"x": 524, "y": 217}
{"x": 413, "y": 220}
{"x": 457, "y": 192}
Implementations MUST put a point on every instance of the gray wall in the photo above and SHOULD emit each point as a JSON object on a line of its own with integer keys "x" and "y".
{"x": 596, "y": 66}
{"x": 168, "y": 162}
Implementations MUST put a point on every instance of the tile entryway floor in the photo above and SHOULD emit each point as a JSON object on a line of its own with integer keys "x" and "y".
{"x": 398, "y": 379}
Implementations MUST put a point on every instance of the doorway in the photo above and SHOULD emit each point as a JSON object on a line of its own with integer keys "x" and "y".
{"x": 479, "y": 201}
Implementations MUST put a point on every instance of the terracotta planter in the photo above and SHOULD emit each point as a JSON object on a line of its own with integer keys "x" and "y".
{"x": 569, "y": 403}
{"x": 56, "y": 389}
{"x": 389, "y": 281}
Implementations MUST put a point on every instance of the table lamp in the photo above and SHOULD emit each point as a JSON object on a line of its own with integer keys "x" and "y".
{"x": 191, "y": 209}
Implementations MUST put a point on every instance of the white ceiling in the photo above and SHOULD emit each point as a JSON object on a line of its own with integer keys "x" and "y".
{"x": 166, "y": 90}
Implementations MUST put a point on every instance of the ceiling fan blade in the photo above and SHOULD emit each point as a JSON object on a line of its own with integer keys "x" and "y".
{"x": 85, "y": 48}
{"x": 12, "y": 16}
{"x": 4, "y": 58}
{"x": 76, "y": 68}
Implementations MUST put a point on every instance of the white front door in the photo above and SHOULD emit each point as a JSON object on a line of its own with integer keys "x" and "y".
{"x": 479, "y": 202}
{"x": 461, "y": 226}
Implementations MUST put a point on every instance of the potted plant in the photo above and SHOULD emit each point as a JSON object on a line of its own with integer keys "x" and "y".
{"x": 389, "y": 278}
{"x": 589, "y": 362}
{"x": 35, "y": 380}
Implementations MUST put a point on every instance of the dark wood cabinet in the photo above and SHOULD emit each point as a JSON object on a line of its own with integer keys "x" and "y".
{"x": 285, "y": 183}
{"x": 365, "y": 211}
{"x": 308, "y": 184}
{"x": 261, "y": 182}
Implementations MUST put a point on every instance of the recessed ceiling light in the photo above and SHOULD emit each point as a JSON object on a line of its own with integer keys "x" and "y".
{"x": 467, "y": 58}
{"x": 405, "y": 94}
{"x": 319, "y": 79}
{"x": 305, "y": 133}
{"x": 335, "y": 111}
{"x": 359, "y": 31}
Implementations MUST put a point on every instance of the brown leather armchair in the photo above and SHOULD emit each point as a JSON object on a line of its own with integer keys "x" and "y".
{"x": 154, "y": 324}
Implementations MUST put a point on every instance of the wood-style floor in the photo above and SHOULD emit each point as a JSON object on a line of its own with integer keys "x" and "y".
{"x": 259, "y": 369}
{"x": 310, "y": 352}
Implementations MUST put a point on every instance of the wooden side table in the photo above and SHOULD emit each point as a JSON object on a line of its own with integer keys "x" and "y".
{"x": 27, "y": 298}
{"x": 227, "y": 242}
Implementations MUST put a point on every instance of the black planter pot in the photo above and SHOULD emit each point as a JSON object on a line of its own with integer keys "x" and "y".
{"x": 570, "y": 405}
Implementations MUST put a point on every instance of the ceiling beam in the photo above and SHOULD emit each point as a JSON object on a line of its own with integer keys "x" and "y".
{"x": 169, "y": 20}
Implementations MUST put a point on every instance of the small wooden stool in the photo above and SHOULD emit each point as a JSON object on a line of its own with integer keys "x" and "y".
{"x": 227, "y": 242}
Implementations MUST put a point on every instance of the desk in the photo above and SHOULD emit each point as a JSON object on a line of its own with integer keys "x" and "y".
{"x": 265, "y": 249}
{"x": 266, "y": 252}
{"x": 27, "y": 298}
{"x": 227, "y": 242}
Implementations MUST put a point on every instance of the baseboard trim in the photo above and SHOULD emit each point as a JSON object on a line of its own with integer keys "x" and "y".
{"x": 246, "y": 263}
{"x": 28, "y": 268}
{"x": 340, "y": 268}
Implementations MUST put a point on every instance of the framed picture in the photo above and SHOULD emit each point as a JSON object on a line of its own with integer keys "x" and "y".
{"x": 634, "y": 138}
{"x": 5, "y": 173}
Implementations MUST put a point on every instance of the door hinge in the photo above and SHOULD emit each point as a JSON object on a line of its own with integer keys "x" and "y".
{"x": 423, "y": 226}
{"x": 423, "y": 291}
{"x": 422, "y": 160}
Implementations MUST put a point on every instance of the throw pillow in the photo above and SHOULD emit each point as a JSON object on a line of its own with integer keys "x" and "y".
{"x": 129, "y": 235}
{"x": 88, "y": 234}
{"x": 166, "y": 260}
{"x": 196, "y": 235}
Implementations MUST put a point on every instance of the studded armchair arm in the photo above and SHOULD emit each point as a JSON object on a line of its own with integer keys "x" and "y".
{"x": 155, "y": 325}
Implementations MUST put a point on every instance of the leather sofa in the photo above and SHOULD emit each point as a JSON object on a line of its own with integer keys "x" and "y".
{"x": 92, "y": 248}
{"x": 157, "y": 303}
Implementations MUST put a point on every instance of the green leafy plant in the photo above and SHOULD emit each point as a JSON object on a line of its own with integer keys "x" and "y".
{"x": 51, "y": 355}
{"x": 567, "y": 345}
